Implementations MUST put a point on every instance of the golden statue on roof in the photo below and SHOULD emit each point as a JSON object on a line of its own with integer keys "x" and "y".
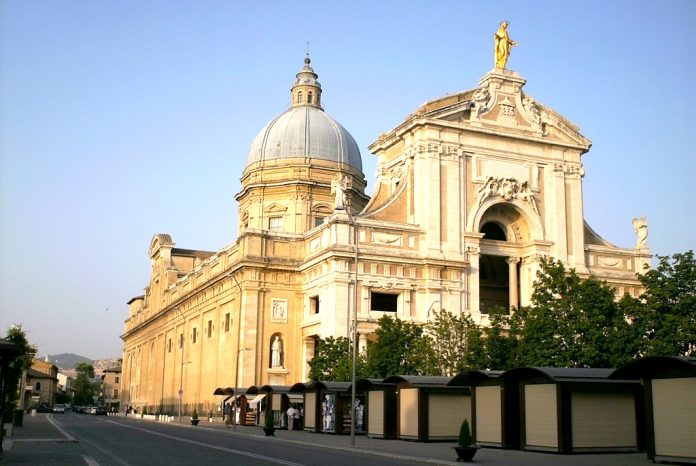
{"x": 503, "y": 44}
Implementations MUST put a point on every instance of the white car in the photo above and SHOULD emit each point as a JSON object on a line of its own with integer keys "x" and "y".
{"x": 59, "y": 409}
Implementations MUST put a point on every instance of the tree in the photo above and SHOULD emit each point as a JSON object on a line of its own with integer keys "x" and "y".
{"x": 501, "y": 340}
{"x": 25, "y": 356}
{"x": 572, "y": 322}
{"x": 333, "y": 361}
{"x": 400, "y": 349}
{"x": 83, "y": 386}
{"x": 665, "y": 314}
{"x": 453, "y": 344}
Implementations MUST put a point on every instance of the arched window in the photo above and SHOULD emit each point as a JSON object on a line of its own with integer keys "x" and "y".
{"x": 309, "y": 97}
{"x": 299, "y": 97}
{"x": 38, "y": 386}
{"x": 493, "y": 231}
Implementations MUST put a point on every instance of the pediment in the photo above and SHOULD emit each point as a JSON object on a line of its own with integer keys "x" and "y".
{"x": 499, "y": 104}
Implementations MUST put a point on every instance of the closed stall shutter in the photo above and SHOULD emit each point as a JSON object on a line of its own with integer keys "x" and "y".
{"x": 276, "y": 401}
{"x": 674, "y": 414}
{"x": 489, "y": 423}
{"x": 310, "y": 414}
{"x": 408, "y": 413}
{"x": 540, "y": 417}
{"x": 603, "y": 421}
{"x": 375, "y": 418}
{"x": 446, "y": 414}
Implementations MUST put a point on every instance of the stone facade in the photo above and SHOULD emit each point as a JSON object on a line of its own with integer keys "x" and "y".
{"x": 472, "y": 190}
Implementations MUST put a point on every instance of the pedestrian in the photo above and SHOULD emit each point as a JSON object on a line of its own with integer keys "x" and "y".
{"x": 291, "y": 417}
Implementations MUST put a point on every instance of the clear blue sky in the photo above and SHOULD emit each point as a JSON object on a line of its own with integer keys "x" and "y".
{"x": 122, "y": 119}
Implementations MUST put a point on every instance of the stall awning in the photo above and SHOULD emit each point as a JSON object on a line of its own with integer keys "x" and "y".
{"x": 257, "y": 399}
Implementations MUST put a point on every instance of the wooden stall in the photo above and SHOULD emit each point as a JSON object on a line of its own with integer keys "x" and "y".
{"x": 493, "y": 408}
{"x": 571, "y": 410}
{"x": 670, "y": 405}
{"x": 429, "y": 409}
{"x": 382, "y": 411}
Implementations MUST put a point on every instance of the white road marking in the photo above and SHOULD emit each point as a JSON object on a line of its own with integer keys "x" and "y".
{"x": 207, "y": 445}
{"x": 60, "y": 429}
{"x": 89, "y": 460}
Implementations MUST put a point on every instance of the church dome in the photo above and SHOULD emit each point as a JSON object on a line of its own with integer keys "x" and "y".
{"x": 305, "y": 130}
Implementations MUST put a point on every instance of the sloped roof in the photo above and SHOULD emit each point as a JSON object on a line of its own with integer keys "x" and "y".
{"x": 560, "y": 374}
{"x": 654, "y": 366}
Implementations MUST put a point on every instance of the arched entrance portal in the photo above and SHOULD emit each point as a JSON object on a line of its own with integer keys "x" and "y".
{"x": 505, "y": 230}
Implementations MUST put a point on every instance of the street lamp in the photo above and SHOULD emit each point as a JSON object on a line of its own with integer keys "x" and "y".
{"x": 239, "y": 352}
{"x": 236, "y": 383}
{"x": 354, "y": 333}
{"x": 181, "y": 370}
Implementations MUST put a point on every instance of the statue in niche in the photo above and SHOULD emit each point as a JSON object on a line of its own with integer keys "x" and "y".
{"x": 503, "y": 44}
{"x": 640, "y": 228}
{"x": 276, "y": 349}
{"x": 339, "y": 188}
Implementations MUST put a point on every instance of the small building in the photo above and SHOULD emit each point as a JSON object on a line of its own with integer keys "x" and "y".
{"x": 429, "y": 409}
{"x": 111, "y": 388}
{"x": 40, "y": 384}
{"x": 670, "y": 405}
{"x": 571, "y": 410}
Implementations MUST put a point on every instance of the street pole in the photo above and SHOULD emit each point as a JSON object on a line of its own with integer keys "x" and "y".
{"x": 354, "y": 335}
{"x": 181, "y": 371}
{"x": 239, "y": 351}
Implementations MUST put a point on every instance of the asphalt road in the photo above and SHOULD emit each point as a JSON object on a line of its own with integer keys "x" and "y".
{"x": 114, "y": 441}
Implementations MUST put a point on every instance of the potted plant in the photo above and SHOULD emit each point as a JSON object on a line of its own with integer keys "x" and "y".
{"x": 194, "y": 417}
{"x": 467, "y": 448}
{"x": 269, "y": 428}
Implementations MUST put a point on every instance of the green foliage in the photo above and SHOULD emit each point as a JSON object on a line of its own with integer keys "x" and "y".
{"x": 333, "y": 361}
{"x": 571, "y": 322}
{"x": 465, "y": 434}
{"x": 23, "y": 361}
{"x": 194, "y": 414}
{"x": 453, "y": 344}
{"x": 270, "y": 422}
{"x": 83, "y": 385}
{"x": 665, "y": 314}
{"x": 400, "y": 349}
{"x": 501, "y": 341}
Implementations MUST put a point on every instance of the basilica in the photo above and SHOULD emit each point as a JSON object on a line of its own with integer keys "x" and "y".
{"x": 472, "y": 190}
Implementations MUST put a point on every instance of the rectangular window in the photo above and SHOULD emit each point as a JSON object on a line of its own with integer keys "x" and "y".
{"x": 116, "y": 380}
{"x": 169, "y": 345}
{"x": 227, "y": 322}
{"x": 318, "y": 221}
{"x": 194, "y": 335}
{"x": 383, "y": 302}
{"x": 275, "y": 223}
{"x": 314, "y": 305}
{"x": 115, "y": 393}
{"x": 181, "y": 340}
{"x": 210, "y": 328}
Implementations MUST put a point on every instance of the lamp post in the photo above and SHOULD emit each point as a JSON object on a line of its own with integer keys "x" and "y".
{"x": 236, "y": 383}
{"x": 354, "y": 332}
{"x": 181, "y": 370}
{"x": 239, "y": 352}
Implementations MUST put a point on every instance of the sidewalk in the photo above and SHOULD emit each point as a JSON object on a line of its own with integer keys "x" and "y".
{"x": 440, "y": 453}
{"x": 39, "y": 435}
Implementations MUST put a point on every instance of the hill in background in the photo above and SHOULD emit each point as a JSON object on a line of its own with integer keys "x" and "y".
{"x": 66, "y": 363}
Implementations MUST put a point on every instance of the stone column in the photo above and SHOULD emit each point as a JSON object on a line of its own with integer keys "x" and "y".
{"x": 513, "y": 282}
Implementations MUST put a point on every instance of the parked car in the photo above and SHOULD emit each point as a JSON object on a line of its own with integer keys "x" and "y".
{"x": 59, "y": 408}
{"x": 91, "y": 410}
{"x": 43, "y": 409}
{"x": 100, "y": 411}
